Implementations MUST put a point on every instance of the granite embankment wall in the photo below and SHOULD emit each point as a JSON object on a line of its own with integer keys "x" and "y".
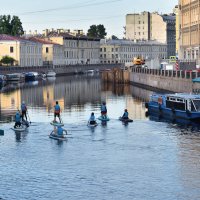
{"x": 116, "y": 75}
{"x": 60, "y": 69}
{"x": 175, "y": 81}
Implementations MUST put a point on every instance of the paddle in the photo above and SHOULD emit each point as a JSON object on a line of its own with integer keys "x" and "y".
{"x": 29, "y": 118}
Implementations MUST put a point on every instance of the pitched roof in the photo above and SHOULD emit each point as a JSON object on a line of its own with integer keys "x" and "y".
{"x": 43, "y": 41}
{"x": 4, "y": 37}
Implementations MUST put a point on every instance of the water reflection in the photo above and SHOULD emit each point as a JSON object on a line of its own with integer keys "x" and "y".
{"x": 92, "y": 161}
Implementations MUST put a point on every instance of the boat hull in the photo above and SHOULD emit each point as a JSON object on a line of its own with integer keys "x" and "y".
{"x": 172, "y": 114}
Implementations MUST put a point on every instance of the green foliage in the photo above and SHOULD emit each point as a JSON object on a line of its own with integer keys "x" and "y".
{"x": 7, "y": 60}
{"x": 114, "y": 37}
{"x": 11, "y": 26}
{"x": 97, "y": 31}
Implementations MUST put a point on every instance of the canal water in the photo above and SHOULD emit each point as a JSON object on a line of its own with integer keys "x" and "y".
{"x": 147, "y": 159}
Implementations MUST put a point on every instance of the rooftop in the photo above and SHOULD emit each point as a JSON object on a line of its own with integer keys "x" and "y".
{"x": 129, "y": 42}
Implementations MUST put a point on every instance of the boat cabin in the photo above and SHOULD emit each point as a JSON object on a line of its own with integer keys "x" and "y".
{"x": 183, "y": 102}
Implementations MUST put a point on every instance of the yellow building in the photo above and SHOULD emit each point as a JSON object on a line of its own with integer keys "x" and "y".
{"x": 190, "y": 31}
{"x": 52, "y": 53}
{"x": 25, "y": 52}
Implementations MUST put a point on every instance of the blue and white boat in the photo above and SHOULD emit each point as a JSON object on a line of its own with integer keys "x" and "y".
{"x": 173, "y": 106}
{"x": 31, "y": 76}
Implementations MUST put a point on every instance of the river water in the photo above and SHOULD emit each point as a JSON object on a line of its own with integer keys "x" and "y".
{"x": 146, "y": 159}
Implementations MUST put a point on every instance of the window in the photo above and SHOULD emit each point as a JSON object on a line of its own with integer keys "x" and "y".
{"x": 11, "y": 49}
{"x": 47, "y": 49}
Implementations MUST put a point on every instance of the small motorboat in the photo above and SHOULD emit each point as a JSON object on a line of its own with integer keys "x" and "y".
{"x": 51, "y": 74}
{"x": 55, "y": 123}
{"x": 29, "y": 76}
{"x": 103, "y": 118}
{"x": 92, "y": 125}
{"x": 125, "y": 120}
{"x": 15, "y": 77}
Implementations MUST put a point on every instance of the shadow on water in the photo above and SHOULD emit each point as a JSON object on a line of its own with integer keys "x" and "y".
{"x": 187, "y": 127}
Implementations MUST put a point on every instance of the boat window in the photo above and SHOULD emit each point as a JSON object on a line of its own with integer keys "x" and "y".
{"x": 175, "y": 105}
{"x": 197, "y": 104}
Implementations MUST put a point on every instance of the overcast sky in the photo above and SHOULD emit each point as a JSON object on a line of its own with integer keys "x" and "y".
{"x": 80, "y": 14}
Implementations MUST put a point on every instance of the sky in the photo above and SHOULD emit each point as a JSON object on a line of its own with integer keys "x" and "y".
{"x": 80, "y": 14}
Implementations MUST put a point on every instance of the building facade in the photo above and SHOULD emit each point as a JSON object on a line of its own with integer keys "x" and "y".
{"x": 124, "y": 51}
{"x": 25, "y": 52}
{"x": 78, "y": 49}
{"x": 152, "y": 26}
{"x": 52, "y": 53}
{"x": 189, "y": 29}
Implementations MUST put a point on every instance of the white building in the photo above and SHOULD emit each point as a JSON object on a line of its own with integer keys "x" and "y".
{"x": 78, "y": 49}
{"x": 124, "y": 51}
{"x": 25, "y": 52}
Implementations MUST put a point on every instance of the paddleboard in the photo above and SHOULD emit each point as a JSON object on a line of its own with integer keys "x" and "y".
{"x": 19, "y": 129}
{"x": 56, "y": 137}
{"x": 56, "y": 123}
{"x": 92, "y": 125}
{"x": 26, "y": 123}
{"x": 103, "y": 119}
{"x": 125, "y": 120}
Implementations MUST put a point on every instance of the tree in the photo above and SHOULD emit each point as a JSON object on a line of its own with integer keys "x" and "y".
{"x": 92, "y": 32}
{"x": 7, "y": 60}
{"x": 11, "y": 26}
{"x": 114, "y": 37}
{"x": 97, "y": 31}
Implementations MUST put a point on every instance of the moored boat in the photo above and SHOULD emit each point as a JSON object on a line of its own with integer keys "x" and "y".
{"x": 51, "y": 74}
{"x": 30, "y": 76}
{"x": 15, "y": 77}
{"x": 179, "y": 105}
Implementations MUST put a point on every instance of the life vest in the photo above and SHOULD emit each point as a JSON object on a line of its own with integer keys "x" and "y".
{"x": 23, "y": 107}
{"x": 57, "y": 109}
{"x": 103, "y": 108}
{"x": 125, "y": 114}
{"x": 17, "y": 117}
{"x": 92, "y": 118}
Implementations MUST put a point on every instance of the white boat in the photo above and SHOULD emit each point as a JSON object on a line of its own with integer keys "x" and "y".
{"x": 15, "y": 77}
{"x": 51, "y": 74}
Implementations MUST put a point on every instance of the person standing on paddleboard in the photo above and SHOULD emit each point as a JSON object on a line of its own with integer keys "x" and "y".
{"x": 17, "y": 119}
{"x": 103, "y": 110}
{"x": 24, "y": 110}
{"x": 57, "y": 112}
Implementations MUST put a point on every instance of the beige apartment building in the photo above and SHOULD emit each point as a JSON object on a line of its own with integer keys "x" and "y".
{"x": 52, "y": 53}
{"x": 25, "y": 52}
{"x": 190, "y": 29}
{"x": 78, "y": 48}
{"x": 124, "y": 51}
{"x": 152, "y": 26}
